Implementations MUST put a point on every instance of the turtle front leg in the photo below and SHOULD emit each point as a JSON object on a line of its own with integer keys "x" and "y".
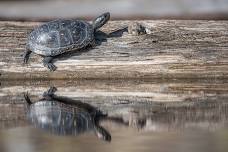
{"x": 50, "y": 93}
{"x": 26, "y": 56}
{"x": 27, "y": 99}
{"x": 47, "y": 61}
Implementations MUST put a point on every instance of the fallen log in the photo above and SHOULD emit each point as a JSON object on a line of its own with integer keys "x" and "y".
{"x": 170, "y": 49}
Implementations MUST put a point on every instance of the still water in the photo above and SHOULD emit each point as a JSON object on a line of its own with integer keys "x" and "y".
{"x": 28, "y": 139}
{"x": 144, "y": 117}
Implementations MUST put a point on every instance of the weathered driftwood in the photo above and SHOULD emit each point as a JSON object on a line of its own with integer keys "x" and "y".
{"x": 142, "y": 104}
{"x": 170, "y": 49}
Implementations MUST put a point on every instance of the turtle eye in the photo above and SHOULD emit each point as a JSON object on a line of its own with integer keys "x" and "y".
{"x": 103, "y": 18}
{"x": 107, "y": 15}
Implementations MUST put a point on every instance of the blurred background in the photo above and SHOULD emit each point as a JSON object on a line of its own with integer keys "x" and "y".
{"x": 39, "y": 10}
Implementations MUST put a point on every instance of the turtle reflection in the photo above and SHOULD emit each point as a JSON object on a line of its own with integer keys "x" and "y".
{"x": 64, "y": 116}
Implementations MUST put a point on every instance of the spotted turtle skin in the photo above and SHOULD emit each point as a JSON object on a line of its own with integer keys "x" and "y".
{"x": 60, "y": 36}
{"x": 64, "y": 116}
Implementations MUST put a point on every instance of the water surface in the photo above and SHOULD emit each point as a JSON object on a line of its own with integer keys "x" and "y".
{"x": 140, "y": 116}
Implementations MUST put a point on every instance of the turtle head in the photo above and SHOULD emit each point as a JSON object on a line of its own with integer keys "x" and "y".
{"x": 101, "y": 20}
{"x": 102, "y": 133}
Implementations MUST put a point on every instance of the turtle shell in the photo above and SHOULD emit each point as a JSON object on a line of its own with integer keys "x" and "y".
{"x": 60, "y": 36}
{"x": 59, "y": 118}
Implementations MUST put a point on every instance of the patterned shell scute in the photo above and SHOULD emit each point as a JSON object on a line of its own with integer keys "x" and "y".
{"x": 59, "y": 36}
{"x": 59, "y": 118}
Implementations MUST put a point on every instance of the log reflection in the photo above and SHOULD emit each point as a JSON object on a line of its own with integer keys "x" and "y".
{"x": 209, "y": 114}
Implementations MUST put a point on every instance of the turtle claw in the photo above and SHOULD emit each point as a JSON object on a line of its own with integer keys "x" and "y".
{"x": 52, "y": 90}
{"x": 51, "y": 67}
{"x": 26, "y": 95}
{"x": 25, "y": 60}
{"x": 27, "y": 99}
{"x": 49, "y": 94}
{"x": 47, "y": 63}
{"x": 26, "y": 56}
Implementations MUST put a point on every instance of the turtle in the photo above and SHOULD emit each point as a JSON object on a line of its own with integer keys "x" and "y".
{"x": 60, "y": 36}
{"x": 64, "y": 116}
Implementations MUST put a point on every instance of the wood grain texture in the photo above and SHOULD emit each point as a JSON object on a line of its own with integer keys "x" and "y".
{"x": 170, "y": 49}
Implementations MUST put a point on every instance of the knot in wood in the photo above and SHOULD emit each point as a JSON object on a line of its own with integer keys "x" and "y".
{"x": 136, "y": 29}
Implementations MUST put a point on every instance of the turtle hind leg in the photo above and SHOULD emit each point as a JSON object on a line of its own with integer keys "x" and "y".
{"x": 26, "y": 56}
{"x": 47, "y": 61}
